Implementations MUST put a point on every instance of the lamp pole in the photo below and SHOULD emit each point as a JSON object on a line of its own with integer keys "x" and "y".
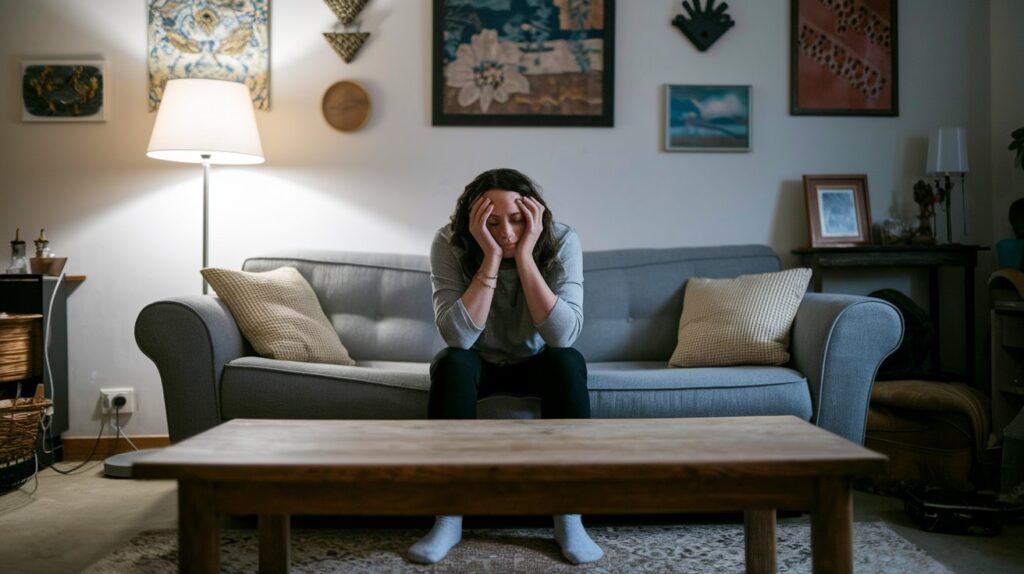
{"x": 949, "y": 209}
{"x": 206, "y": 212}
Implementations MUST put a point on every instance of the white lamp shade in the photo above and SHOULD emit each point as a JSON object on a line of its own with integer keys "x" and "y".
{"x": 947, "y": 151}
{"x": 200, "y": 117}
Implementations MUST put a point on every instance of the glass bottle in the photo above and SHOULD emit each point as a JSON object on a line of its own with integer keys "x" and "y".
{"x": 19, "y": 262}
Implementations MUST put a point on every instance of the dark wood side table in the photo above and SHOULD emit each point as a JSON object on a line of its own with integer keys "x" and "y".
{"x": 32, "y": 294}
{"x": 931, "y": 257}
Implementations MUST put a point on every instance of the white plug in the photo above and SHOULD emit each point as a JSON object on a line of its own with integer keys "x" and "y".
{"x": 119, "y": 400}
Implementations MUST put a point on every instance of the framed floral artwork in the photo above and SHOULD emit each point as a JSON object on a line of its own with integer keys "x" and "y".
{"x": 844, "y": 58}
{"x": 838, "y": 211}
{"x": 523, "y": 63}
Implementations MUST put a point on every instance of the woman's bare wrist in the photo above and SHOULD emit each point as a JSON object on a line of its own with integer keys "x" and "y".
{"x": 489, "y": 266}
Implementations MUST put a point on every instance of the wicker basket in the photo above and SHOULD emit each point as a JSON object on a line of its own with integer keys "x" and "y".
{"x": 19, "y": 427}
{"x": 19, "y": 347}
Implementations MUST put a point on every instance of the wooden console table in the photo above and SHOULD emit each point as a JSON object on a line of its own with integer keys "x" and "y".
{"x": 931, "y": 257}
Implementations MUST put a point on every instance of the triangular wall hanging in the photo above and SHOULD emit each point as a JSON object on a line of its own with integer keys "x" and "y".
{"x": 346, "y": 10}
{"x": 346, "y": 44}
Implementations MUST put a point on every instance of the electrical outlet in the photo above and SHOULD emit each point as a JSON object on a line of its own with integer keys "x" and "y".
{"x": 108, "y": 396}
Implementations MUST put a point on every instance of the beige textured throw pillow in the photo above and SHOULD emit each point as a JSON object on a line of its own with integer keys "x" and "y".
{"x": 741, "y": 321}
{"x": 278, "y": 313}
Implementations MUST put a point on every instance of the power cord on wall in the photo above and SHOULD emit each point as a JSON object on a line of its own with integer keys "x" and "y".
{"x": 119, "y": 402}
{"x": 46, "y": 421}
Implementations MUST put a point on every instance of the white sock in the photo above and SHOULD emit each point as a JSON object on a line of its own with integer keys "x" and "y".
{"x": 447, "y": 532}
{"x": 577, "y": 547}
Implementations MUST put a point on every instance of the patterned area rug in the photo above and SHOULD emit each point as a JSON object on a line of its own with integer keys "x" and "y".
{"x": 700, "y": 548}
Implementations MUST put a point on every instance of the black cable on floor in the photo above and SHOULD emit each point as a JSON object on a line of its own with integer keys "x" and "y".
{"x": 95, "y": 445}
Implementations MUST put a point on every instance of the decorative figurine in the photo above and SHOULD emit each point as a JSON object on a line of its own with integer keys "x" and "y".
{"x": 925, "y": 198}
{"x": 705, "y": 25}
{"x": 42, "y": 245}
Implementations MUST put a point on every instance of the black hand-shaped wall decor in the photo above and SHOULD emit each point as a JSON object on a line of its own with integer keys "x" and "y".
{"x": 705, "y": 25}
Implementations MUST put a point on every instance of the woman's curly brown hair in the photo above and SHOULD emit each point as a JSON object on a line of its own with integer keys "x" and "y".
{"x": 544, "y": 253}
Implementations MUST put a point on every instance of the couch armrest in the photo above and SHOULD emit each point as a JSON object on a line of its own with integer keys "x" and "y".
{"x": 190, "y": 339}
{"x": 838, "y": 342}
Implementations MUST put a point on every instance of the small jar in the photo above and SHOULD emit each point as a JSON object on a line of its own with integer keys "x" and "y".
{"x": 19, "y": 262}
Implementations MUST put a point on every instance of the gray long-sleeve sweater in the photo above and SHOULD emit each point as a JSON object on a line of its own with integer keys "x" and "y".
{"x": 510, "y": 335}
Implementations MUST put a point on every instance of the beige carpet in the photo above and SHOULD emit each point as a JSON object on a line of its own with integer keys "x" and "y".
{"x": 701, "y": 548}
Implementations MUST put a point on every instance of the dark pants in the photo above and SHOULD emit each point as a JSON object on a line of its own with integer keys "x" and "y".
{"x": 459, "y": 377}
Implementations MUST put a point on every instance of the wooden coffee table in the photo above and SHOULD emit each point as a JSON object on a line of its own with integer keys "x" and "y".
{"x": 276, "y": 468}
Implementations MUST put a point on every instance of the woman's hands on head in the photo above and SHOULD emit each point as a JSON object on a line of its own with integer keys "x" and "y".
{"x": 479, "y": 212}
{"x": 533, "y": 216}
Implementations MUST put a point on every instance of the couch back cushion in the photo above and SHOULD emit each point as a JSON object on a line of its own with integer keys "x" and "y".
{"x": 380, "y": 303}
{"x": 633, "y": 298}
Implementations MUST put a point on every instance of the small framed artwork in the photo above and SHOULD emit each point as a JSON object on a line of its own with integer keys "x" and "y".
{"x": 63, "y": 91}
{"x": 838, "y": 213}
{"x": 533, "y": 63}
{"x": 843, "y": 58}
{"x": 707, "y": 118}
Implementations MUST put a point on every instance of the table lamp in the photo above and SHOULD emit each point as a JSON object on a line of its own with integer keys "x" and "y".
{"x": 947, "y": 154}
{"x": 208, "y": 122}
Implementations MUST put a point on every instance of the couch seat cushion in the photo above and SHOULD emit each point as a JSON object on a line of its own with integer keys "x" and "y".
{"x": 652, "y": 389}
{"x": 257, "y": 387}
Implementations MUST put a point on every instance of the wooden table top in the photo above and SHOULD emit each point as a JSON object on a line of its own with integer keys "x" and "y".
{"x": 511, "y": 450}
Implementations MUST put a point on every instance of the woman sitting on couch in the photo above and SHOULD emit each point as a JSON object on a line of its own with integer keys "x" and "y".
{"x": 508, "y": 301}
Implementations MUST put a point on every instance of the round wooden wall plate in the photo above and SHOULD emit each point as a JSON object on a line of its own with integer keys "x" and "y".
{"x": 346, "y": 106}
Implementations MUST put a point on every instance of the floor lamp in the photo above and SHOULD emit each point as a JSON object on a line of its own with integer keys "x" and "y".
{"x": 207, "y": 122}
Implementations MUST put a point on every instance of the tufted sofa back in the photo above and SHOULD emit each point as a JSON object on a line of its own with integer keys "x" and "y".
{"x": 381, "y": 307}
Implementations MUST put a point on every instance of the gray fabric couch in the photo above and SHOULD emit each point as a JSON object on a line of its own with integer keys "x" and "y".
{"x": 381, "y": 307}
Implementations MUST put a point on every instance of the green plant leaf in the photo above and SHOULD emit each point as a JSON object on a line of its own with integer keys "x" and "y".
{"x": 1018, "y": 134}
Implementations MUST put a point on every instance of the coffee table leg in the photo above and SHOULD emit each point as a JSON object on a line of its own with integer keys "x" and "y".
{"x": 759, "y": 539}
{"x": 198, "y": 534}
{"x": 275, "y": 543}
{"x": 832, "y": 527}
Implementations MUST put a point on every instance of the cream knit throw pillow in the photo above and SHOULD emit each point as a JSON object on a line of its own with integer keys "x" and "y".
{"x": 741, "y": 321}
{"x": 279, "y": 314}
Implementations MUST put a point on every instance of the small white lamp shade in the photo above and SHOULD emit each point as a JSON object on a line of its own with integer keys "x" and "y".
{"x": 200, "y": 117}
{"x": 947, "y": 151}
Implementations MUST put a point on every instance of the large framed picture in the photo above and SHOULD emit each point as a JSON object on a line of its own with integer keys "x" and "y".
{"x": 63, "y": 91}
{"x": 844, "y": 58}
{"x": 514, "y": 63}
{"x": 838, "y": 212}
{"x": 707, "y": 118}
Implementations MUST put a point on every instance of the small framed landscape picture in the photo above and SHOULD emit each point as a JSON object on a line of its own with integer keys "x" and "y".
{"x": 838, "y": 213}
{"x": 63, "y": 91}
{"x": 707, "y": 118}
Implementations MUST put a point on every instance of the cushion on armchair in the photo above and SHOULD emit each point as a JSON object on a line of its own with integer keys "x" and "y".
{"x": 279, "y": 314}
{"x": 741, "y": 321}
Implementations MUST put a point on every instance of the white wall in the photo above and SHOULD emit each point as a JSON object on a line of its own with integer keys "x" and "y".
{"x": 133, "y": 225}
{"x": 1007, "y": 109}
